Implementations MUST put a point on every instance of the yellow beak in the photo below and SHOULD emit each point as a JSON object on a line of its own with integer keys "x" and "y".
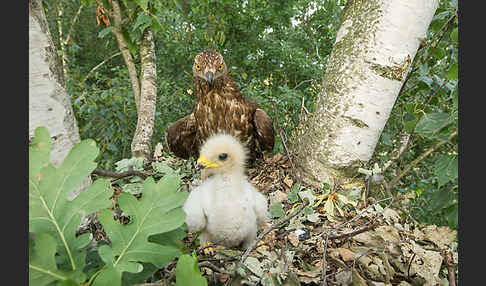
{"x": 205, "y": 163}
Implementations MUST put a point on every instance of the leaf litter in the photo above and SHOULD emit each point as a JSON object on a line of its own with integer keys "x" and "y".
{"x": 368, "y": 243}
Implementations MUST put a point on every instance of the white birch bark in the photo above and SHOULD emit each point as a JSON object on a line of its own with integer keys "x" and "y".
{"x": 49, "y": 104}
{"x": 142, "y": 140}
{"x": 374, "y": 47}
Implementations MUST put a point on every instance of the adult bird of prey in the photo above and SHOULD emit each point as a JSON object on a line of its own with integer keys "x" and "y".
{"x": 225, "y": 208}
{"x": 220, "y": 107}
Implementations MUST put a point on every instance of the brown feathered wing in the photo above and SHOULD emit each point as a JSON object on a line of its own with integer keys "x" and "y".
{"x": 265, "y": 134}
{"x": 181, "y": 135}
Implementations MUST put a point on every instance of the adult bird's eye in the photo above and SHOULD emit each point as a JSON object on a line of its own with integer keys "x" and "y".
{"x": 223, "y": 156}
{"x": 220, "y": 68}
{"x": 197, "y": 67}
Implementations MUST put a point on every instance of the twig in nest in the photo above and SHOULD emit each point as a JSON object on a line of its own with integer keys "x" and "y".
{"x": 356, "y": 232}
{"x": 296, "y": 174}
{"x": 324, "y": 276}
{"x": 272, "y": 227}
{"x": 349, "y": 234}
{"x": 410, "y": 265}
{"x": 105, "y": 173}
{"x": 450, "y": 268}
{"x": 335, "y": 229}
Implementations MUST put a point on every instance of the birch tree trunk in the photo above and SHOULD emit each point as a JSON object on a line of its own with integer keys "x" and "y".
{"x": 142, "y": 140}
{"x": 374, "y": 47}
{"x": 49, "y": 104}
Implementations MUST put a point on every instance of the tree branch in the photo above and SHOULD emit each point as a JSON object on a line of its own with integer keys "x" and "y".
{"x": 296, "y": 174}
{"x": 420, "y": 158}
{"x": 99, "y": 65}
{"x": 74, "y": 22}
{"x": 353, "y": 233}
{"x": 105, "y": 173}
{"x": 123, "y": 46}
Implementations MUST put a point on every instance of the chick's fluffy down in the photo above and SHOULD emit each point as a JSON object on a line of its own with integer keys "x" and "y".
{"x": 227, "y": 211}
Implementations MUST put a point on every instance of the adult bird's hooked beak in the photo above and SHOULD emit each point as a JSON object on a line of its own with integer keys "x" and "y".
{"x": 209, "y": 78}
{"x": 203, "y": 162}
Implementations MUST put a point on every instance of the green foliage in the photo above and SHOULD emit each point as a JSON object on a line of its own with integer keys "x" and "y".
{"x": 428, "y": 110}
{"x": 446, "y": 169}
{"x": 275, "y": 50}
{"x": 150, "y": 241}
{"x": 55, "y": 218}
{"x": 158, "y": 211}
{"x": 431, "y": 124}
{"x": 43, "y": 269}
{"x": 187, "y": 272}
{"x": 276, "y": 210}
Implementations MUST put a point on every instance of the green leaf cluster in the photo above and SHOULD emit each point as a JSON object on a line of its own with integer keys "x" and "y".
{"x": 53, "y": 219}
{"x": 150, "y": 241}
{"x": 427, "y": 109}
{"x": 187, "y": 271}
{"x": 157, "y": 211}
{"x": 274, "y": 50}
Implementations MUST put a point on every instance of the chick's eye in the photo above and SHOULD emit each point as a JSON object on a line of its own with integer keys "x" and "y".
{"x": 223, "y": 156}
{"x": 197, "y": 67}
{"x": 220, "y": 68}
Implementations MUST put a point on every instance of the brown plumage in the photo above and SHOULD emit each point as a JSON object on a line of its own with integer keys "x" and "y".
{"x": 220, "y": 107}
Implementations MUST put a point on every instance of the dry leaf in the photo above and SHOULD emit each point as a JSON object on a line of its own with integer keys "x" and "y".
{"x": 293, "y": 238}
{"x": 276, "y": 157}
{"x": 277, "y": 197}
{"x": 288, "y": 181}
{"x": 442, "y": 236}
{"x": 346, "y": 254}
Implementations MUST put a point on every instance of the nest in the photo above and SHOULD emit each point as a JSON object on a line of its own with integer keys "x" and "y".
{"x": 316, "y": 235}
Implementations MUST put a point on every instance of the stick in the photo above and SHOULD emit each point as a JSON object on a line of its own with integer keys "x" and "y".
{"x": 356, "y": 232}
{"x": 355, "y": 217}
{"x": 450, "y": 268}
{"x": 105, "y": 173}
{"x": 405, "y": 142}
{"x": 410, "y": 264}
{"x": 307, "y": 80}
{"x": 99, "y": 65}
{"x": 420, "y": 158}
{"x": 324, "y": 276}
{"x": 68, "y": 38}
{"x": 272, "y": 227}
{"x": 284, "y": 144}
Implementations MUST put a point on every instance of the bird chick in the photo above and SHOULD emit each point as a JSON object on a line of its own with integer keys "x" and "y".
{"x": 225, "y": 208}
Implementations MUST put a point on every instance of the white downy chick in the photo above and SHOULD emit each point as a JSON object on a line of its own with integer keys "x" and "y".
{"x": 226, "y": 208}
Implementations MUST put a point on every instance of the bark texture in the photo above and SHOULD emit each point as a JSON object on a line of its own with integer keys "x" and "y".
{"x": 49, "y": 104}
{"x": 122, "y": 44}
{"x": 374, "y": 47}
{"x": 142, "y": 140}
